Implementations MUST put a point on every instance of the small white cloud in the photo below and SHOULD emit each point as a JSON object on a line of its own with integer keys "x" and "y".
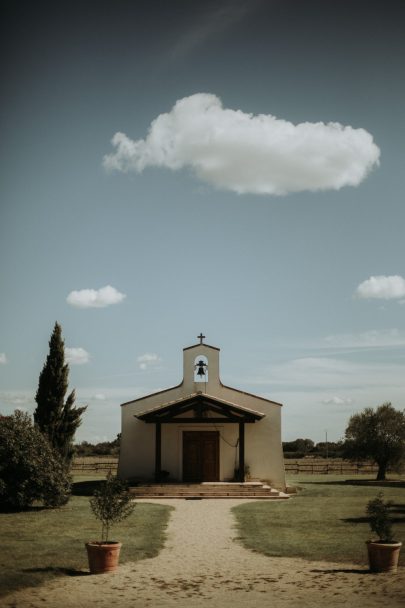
{"x": 77, "y": 356}
{"x": 382, "y": 287}
{"x": 99, "y": 397}
{"x": 236, "y": 151}
{"x": 95, "y": 298}
{"x": 338, "y": 400}
{"x": 147, "y": 360}
{"x": 3, "y": 359}
{"x": 16, "y": 398}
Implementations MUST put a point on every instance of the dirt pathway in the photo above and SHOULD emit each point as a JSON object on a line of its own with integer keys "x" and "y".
{"x": 202, "y": 565}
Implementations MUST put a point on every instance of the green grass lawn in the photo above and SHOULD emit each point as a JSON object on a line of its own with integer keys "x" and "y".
{"x": 43, "y": 543}
{"x": 325, "y": 520}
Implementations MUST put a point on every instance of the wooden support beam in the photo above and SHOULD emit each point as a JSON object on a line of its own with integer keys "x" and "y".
{"x": 158, "y": 451}
{"x": 203, "y": 420}
{"x": 241, "y": 451}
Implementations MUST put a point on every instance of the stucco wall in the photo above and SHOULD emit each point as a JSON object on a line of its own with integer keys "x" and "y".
{"x": 263, "y": 449}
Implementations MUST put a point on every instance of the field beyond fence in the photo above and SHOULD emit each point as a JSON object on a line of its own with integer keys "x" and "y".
{"x": 95, "y": 464}
{"x": 309, "y": 466}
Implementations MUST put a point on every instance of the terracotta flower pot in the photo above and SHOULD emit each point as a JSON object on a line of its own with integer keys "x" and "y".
{"x": 382, "y": 556}
{"x": 103, "y": 556}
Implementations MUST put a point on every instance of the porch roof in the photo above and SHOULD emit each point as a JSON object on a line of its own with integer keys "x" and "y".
{"x": 205, "y": 408}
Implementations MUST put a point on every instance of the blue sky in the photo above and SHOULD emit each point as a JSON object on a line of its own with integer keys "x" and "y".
{"x": 229, "y": 204}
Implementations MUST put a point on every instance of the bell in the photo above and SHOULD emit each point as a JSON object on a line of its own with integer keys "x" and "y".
{"x": 201, "y": 370}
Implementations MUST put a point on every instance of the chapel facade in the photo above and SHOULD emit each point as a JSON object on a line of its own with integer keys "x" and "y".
{"x": 201, "y": 430}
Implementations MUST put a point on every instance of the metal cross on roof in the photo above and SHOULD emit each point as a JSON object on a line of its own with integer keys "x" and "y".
{"x": 201, "y": 337}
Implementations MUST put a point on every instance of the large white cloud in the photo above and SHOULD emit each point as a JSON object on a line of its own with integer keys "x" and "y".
{"x": 77, "y": 355}
{"x": 382, "y": 287}
{"x": 236, "y": 151}
{"x": 95, "y": 298}
{"x": 3, "y": 359}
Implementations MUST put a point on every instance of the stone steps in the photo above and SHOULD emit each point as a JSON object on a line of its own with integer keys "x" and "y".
{"x": 254, "y": 490}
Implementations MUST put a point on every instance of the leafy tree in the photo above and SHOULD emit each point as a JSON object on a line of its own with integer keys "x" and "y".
{"x": 299, "y": 447}
{"x": 30, "y": 470}
{"x": 334, "y": 449}
{"x": 104, "y": 448}
{"x": 377, "y": 434}
{"x": 56, "y": 418}
{"x": 304, "y": 445}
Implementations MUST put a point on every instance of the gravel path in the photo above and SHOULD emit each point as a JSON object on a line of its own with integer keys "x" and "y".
{"x": 202, "y": 565}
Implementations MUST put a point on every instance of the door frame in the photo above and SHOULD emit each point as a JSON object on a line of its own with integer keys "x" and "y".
{"x": 194, "y": 432}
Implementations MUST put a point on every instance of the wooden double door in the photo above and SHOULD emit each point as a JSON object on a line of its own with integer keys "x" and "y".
{"x": 200, "y": 456}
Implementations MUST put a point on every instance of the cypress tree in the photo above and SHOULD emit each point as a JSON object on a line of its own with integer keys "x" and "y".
{"x": 56, "y": 418}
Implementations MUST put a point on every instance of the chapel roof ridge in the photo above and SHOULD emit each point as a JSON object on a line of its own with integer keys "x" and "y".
{"x": 163, "y": 390}
{"x": 201, "y": 344}
{"x": 199, "y": 395}
{"x": 238, "y": 390}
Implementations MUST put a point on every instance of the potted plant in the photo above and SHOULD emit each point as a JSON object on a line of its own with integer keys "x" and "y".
{"x": 110, "y": 504}
{"x": 383, "y": 553}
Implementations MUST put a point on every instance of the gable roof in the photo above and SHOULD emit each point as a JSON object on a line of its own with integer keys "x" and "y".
{"x": 199, "y": 346}
{"x": 205, "y": 408}
{"x": 168, "y": 390}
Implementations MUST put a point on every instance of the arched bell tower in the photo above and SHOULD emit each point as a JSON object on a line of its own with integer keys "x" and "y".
{"x": 201, "y": 367}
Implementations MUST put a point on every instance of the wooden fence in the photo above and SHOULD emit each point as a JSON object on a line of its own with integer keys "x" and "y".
{"x": 339, "y": 467}
{"x": 94, "y": 466}
{"x": 293, "y": 467}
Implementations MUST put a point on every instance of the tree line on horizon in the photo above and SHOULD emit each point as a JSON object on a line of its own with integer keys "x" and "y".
{"x": 102, "y": 448}
{"x": 300, "y": 448}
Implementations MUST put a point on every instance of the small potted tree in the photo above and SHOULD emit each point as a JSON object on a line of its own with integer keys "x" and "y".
{"x": 383, "y": 553}
{"x": 110, "y": 505}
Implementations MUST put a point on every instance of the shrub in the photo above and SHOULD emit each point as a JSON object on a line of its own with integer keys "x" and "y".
{"x": 111, "y": 504}
{"x": 30, "y": 470}
{"x": 379, "y": 518}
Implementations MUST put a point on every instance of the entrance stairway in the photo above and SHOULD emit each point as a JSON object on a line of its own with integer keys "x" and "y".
{"x": 195, "y": 491}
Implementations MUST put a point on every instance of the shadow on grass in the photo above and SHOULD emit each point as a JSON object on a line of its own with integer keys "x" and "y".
{"x": 57, "y": 570}
{"x": 356, "y": 520}
{"x": 366, "y": 520}
{"x": 343, "y": 571}
{"x": 358, "y": 482}
{"x": 31, "y": 509}
{"x": 398, "y": 509}
{"x": 86, "y": 488}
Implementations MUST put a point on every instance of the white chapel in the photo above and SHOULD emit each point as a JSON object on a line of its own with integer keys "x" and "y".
{"x": 201, "y": 430}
